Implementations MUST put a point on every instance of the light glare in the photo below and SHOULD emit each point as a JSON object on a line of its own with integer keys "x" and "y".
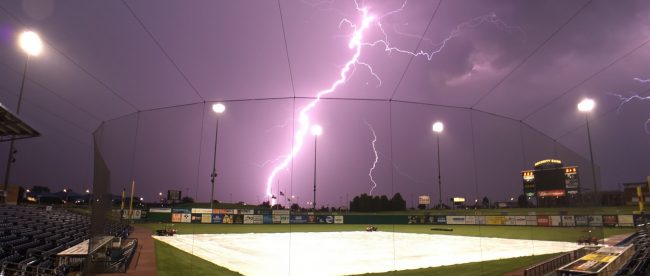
{"x": 438, "y": 127}
{"x": 31, "y": 43}
{"x": 316, "y": 130}
{"x": 586, "y": 105}
{"x": 218, "y": 108}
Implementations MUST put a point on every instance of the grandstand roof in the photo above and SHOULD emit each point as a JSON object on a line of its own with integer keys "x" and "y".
{"x": 504, "y": 62}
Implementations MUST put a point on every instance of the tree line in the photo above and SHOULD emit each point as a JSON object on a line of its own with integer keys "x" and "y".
{"x": 368, "y": 203}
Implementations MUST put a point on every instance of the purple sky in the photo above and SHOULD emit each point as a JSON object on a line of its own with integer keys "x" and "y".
{"x": 142, "y": 75}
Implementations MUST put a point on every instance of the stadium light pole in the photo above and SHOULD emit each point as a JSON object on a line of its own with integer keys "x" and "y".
{"x": 586, "y": 106}
{"x": 316, "y": 130}
{"x": 30, "y": 42}
{"x": 437, "y": 128}
{"x": 218, "y": 108}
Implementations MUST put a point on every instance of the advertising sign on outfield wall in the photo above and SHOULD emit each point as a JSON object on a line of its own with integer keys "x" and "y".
{"x": 245, "y": 212}
{"x": 480, "y": 220}
{"x": 610, "y": 220}
{"x": 267, "y": 219}
{"x": 160, "y": 210}
{"x": 568, "y": 221}
{"x": 299, "y": 219}
{"x": 181, "y": 210}
{"x": 531, "y": 220}
{"x": 281, "y": 212}
{"x": 625, "y": 220}
{"x": 325, "y": 219}
{"x": 217, "y": 218}
{"x": 186, "y": 218}
{"x": 201, "y": 211}
{"x": 219, "y": 211}
{"x": 228, "y": 219}
{"x": 206, "y": 218}
{"x": 556, "y": 220}
{"x": 338, "y": 219}
{"x": 520, "y": 220}
{"x": 511, "y": 220}
{"x": 196, "y": 218}
{"x": 543, "y": 221}
{"x": 176, "y": 217}
{"x": 470, "y": 219}
{"x": 595, "y": 220}
{"x": 581, "y": 220}
{"x": 455, "y": 219}
{"x": 495, "y": 220}
{"x": 253, "y": 219}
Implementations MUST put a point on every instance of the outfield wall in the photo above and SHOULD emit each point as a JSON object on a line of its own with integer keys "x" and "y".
{"x": 265, "y": 216}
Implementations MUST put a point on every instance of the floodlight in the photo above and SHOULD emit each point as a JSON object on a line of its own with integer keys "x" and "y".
{"x": 438, "y": 127}
{"x": 316, "y": 130}
{"x": 218, "y": 108}
{"x": 586, "y": 105}
{"x": 31, "y": 43}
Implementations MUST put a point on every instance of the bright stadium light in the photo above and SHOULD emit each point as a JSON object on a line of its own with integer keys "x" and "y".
{"x": 438, "y": 127}
{"x": 586, "y": 105}
{"x": 316, "y": 130}
{"x": 218, "y": 108}
{"x": 87, "y": 191}
{"x": 31, "y": 43}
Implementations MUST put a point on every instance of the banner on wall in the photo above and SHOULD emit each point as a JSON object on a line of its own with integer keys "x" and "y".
{"x": 531, "y": 220}
{"x": 176, "y": 217}
{"x": 253, "y": 219}
{"x": 206, "y": 218}
{"x": 217, "y": 218}
{"x": 267, "y": 219}
{"x": 440, "y": 219}
{"x": 595, "y": 221}
{"x": 201, "y": 211}
{"x": 281, "y": 212}
{"x": 196, "y": 218}
{"x": 245, "y": 212}
{"x": 511, "y": 220}
{"x": 263, "y": 212}
{"x": 610, "y": 220}
{"x": 568, "y": 221}
{"x": 455, "y": 219}
{"x": 556, "y": 220}
{"x": 581, "y": 220}
{"x": 219, "y": 211}
{"x": 470, "y": 220}
{"x": 338, "y": 219}
{"x": 238, "y": 219}
{"x": 181, "y": 210}
{"x": 520, "y": 220}
{"x": 298, "y": 219}
{"x": 480, "y": 220}
{"x": 186, "y": 218}
{"x": 625, "y": 220}
{"x": 160, "y": 210}
{"x": 228, "y": 219}
{"x": 495, "y": 220}
{"x": 543, "y": 221}
{"x": 325, "y": 219}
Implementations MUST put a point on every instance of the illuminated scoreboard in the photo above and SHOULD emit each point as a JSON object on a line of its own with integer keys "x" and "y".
{"x": 551, "y": 179}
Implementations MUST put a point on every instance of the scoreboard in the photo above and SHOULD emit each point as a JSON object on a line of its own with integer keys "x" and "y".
{"x": 550, "y": 178}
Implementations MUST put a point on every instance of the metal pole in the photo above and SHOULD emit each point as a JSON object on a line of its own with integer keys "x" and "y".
{"x": 439, "y": 178}
{"x": 11, "y": 144}
{"x": 591, "y": 156}
{"x": 315, "y": 143}
{"x": 214, "y": 165}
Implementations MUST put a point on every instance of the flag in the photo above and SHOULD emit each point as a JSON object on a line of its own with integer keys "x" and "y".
{"x": 281, "y": 193}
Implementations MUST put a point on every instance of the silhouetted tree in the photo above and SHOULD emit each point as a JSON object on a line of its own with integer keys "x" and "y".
{"x": 397, "y": 203}
{"x": 486, "y": 202}
{"x": 265, "y": 204}
{"x": 522, "y": 201}
{"x": 295, "y": 206}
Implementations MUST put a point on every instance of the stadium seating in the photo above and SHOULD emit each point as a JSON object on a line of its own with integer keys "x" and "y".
{"x": 30, "y": 238}
{"x": 639, "y": 264}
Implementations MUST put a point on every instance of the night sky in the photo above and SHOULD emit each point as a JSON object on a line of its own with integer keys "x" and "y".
{"x": 505, "y": 79}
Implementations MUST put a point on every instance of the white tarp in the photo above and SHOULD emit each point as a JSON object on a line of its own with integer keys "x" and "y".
{"x": 344, "y": 253}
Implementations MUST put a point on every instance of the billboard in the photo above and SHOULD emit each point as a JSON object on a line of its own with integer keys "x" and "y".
{"x": 582, "y": 220}
{"x": 625, "y": 220}
{"x": 174, "y": 195}
{"x": 206, "y": 218}
{"x": 595, "y": 221}
{"x": 610, "y": 220}
{"x": 424, "y": 199}
{"x": 543, "y": 221}
{"x": 217, "y": 218}
{"x": 495, "y": 220}
{"x": 455, "y": 219}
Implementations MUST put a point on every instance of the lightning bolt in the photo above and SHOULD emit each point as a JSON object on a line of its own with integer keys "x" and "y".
{"x": 356, "y": 44}
{"x": 625, "y": 100}
{"x": 303, "y": 117}
{"x": 642, "y": 80}
{"x": 374, "y": 163}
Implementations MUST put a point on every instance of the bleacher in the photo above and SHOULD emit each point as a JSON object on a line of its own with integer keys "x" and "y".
{"x": 31, "y": 237}
{"x": 639, "y": 263}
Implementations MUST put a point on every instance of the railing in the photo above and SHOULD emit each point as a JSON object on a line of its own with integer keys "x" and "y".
{"x": 555, "y": 263}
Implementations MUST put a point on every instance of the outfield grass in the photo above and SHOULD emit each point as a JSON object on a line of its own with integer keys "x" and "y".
{"x": 570, "y": 234}
{"x": 172, "y": 261}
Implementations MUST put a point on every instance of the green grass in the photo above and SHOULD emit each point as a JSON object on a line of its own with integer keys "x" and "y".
{"x": 172, "y": 261}
{"x": 570, "y": 234}
{"x": 496, "y": 267}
